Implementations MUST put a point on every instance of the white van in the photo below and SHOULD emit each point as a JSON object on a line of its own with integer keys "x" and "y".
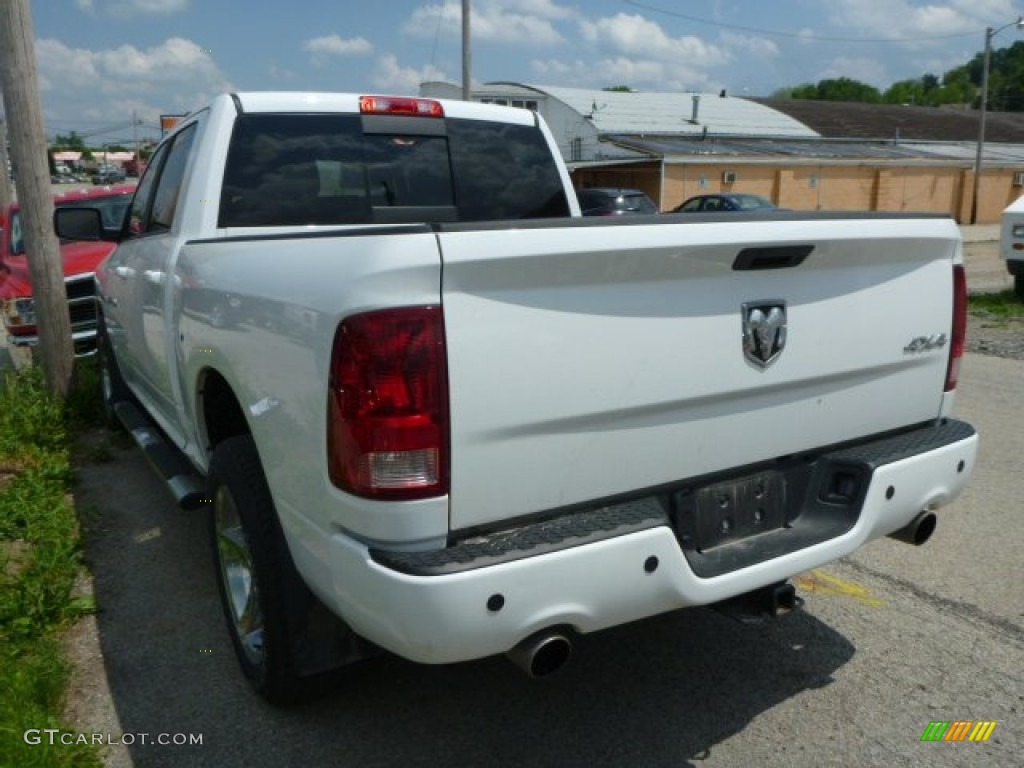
{"x": 1011, "y": 243}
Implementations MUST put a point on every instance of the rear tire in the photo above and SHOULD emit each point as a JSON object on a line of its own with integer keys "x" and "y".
{"x": 1018, "y": 286}
{"x": 284, "y": 638}
{"x": 112, "y": 387}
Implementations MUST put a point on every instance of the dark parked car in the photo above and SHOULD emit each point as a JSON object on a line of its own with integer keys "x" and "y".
{"x": 612, "y": 201}
{"x": 108, "y": 174}
{"x": 729, "y": 201}
{"x": 65, "y": 177}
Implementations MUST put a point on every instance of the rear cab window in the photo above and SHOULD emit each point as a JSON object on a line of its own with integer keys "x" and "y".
{"x": 156, "y": 198}
{"x": 317, "y": 169}
{"x": 638, "y": 204}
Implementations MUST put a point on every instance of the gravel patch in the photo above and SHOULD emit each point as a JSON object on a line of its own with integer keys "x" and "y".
{"x": 999, "y": 336}
{"x": 986, "y": 273}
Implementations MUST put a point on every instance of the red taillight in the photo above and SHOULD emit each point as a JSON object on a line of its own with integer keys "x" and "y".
{"x": 956, "y": 348}
{"x": 387, "y": 432}
{"x": 400, "y": 105}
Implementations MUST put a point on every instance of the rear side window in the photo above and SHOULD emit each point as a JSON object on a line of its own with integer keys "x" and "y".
{"x": 165, "y": 201}
{"x": 136, "y": 224}
{"x": 156, "y": 198}
{"x": 285, "y": 170}
{"x": 637, "y": 204}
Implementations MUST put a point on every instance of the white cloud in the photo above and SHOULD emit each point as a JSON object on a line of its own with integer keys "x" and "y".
{"x": 643, "y": 74}
{"x": 280, "y": 74}
{"x": 903, "y": 19}
{"x": 634, "y": 35}
{"x": 148, "y": 7}
{"x": 85, "y": 5}
{"x": 545, "y": 9}
{"x": 175, "y": 76}
{"x": 398, "y": 80}
{"x": 502, "y": 27}
{"x": 518, "y": 22}
{"x": 864, "y": 70}
{"x": 635, "y": 51}
{"x": 335, "y": 45}
{"x": 550, "y": 70}
{"x": 758, "y": 47}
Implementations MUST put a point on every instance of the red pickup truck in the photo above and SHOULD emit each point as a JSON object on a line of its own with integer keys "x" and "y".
{"x": 17, "y": 306}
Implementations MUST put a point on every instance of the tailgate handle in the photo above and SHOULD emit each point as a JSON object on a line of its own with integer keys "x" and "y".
{"x": 771, "y": 257}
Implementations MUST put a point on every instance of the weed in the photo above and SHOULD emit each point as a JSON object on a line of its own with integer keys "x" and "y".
{"x": 35, "y": 677}
{"x": 31, "y": 423}
{"x": 1005, "y": 305}
{"x": 39, "y": 563}
{"x": 84, "y": 407}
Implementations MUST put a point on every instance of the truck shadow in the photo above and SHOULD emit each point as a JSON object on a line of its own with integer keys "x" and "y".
{"x": 664, "y": 691}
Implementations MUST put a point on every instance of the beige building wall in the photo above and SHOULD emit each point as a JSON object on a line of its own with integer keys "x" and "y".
{"x": 847, "y": 187}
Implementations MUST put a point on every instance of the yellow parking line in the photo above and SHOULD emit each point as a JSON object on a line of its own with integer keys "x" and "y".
{"x": 825, "y": 583}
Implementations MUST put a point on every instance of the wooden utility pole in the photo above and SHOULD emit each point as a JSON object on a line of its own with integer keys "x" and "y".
{"x": 20, "y": 85}
{"x": 6, "y": 193}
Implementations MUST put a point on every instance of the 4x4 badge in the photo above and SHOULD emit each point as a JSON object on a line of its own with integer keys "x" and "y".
{"x": 764, "y": 331}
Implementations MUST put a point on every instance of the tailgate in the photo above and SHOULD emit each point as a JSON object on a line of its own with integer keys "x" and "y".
{"x": 590, "y": 359}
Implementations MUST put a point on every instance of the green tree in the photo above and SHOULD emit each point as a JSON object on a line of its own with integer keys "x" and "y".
{"x": 924, "y": 92}
{"x": 846, "y": 89}
{"x": 804, "y": 91}
{"x": 957, "y": 87}
{"x": 960, "y": 86}
{"x": 619, "y": 89}
{"x": 783, "y": 93}
{"x": 836, "y": 89}
{"x": 71, "y": 141}
{"x": 905, "y": 92}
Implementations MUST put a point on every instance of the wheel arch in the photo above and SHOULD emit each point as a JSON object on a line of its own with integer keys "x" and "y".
{"x": 219, "y": 413}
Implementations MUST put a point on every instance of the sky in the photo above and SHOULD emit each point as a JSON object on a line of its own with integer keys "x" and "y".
{"x": 105, "y": 63}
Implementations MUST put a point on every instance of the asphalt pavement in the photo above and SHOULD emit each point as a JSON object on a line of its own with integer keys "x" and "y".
{"x": 889, "y": 640}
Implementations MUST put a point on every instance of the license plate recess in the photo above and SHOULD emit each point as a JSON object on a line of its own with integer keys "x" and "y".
{"x": 727, "y": 512}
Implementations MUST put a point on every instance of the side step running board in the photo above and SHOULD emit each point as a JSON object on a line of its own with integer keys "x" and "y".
{"x": 187, "y": 488}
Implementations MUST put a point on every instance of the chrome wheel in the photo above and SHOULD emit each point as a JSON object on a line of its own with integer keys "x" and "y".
{"x": 238, "y": 574}
{"x": 106, "y": 386}
{"x": 286, "y": 641}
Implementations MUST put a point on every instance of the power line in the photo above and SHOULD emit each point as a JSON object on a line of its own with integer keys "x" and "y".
{"x": 795, "y": 35}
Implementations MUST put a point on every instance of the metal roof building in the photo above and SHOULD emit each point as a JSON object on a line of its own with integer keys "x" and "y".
{"x": 798, "y": 153}
{"x": 678, "y": 114}
{"x": 582, "y": 120}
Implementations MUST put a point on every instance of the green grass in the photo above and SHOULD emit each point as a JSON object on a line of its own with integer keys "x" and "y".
{"x": 40, "y": 559}
{"x": 996, "y": 305}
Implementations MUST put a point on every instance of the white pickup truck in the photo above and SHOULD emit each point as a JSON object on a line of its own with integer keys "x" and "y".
{"x": 434, "y": 410}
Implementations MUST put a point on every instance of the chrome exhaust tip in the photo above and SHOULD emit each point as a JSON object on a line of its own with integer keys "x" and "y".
{"x": 542, "y": 654}
{"x": 919, "y": 531}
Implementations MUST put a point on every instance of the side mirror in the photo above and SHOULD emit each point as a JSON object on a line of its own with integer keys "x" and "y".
{"x": 81, "y": 224}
